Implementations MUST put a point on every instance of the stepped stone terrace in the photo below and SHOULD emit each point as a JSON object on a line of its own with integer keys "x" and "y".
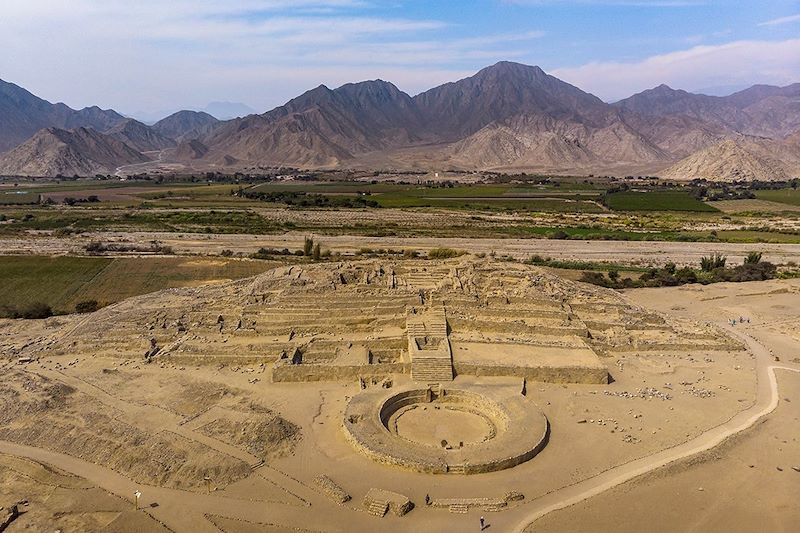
{"x": 370, "y": 320}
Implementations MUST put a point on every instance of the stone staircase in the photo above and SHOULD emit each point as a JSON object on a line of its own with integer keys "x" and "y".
{"x": 429, "y": 347}
{"x": 428, "y": 278}
{"x": 376, "y": 507}
{"x": 456, "y": 469}
{"x": 378, "y": 502}
{"x": 431, "y": 369}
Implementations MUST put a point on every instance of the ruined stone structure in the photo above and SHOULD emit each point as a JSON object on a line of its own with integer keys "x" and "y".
{"x": 443, "y": 351}
{"x": 429, "y": 320}
{"x": 489, "y": 428}
{"x": 330, "y": 489}
{"x": 378, "y": 502}
{"x": 429, "y": 347}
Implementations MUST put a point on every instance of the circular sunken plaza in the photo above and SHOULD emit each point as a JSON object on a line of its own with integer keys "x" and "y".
{"x": 456, "y": 429}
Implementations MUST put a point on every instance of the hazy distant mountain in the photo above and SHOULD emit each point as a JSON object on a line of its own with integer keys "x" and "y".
{"x": 516, "y": 116}
{"x": 227, "y": 110}
{"x": 54, "y": 151}
{"x": 190, "y": 150}
{"x": 22, "y": 114}
{"x": 726, "y": 161}
{"x": 139, "y": 136}
{"x": 185, "y": 125}
{"x": 506, "y": 117}
{"x": 502, "y": 91}
{"x": 762, "y": 110}
{"x": 720, "y": 90}
{"x": 322, "y": 127}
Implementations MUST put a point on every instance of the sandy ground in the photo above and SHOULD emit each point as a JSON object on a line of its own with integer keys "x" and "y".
{"x": 750, "y": 482}
{"x": 121, "y": 417}
{"x": 627, "y": 252}
{"x": 746, "y": 484}
{"x": 50, "y": 499}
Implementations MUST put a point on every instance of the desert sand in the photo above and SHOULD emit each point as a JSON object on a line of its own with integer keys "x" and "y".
{"x": 225, "y": 405}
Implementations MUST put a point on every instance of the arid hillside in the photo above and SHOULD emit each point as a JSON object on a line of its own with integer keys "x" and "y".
{"x": 506, "y": 117}
{"x": 83, "y": 151}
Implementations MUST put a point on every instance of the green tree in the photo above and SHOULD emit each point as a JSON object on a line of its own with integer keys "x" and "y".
{"x": 712, "y": 262}
{"x": 753, "y": 258}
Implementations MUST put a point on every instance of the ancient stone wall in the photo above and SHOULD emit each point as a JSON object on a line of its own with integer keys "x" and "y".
{"x": 578, "y": 374}
{"x": 303, "y": 372}
{"x": 511, "y": 444}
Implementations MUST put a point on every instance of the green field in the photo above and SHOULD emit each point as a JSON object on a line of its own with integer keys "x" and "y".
{"x": 545, "y": 205}
{"x": 656, "y": 201}
{"x": 62, "y": 282}
{"x": 784, "y": 196}
{"x": 573, "y": 199}
{"x": 18, "y": 197}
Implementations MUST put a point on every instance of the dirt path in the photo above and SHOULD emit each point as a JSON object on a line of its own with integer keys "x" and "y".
{"x": 186, "y": 511}
{"x": 767, "y": 401}
{"x": 122, "y": 171}
{"x": 610, "y": 251}
{"x": 150, "y": 418}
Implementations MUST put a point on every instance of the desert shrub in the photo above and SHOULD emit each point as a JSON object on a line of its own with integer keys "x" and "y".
{"x": 753, "y": 272}
{"x": 62, "y": 232}
{"x": 95, "y": 247}
{"x": 753, "y": 258}
{"x": 410, "y": 254}
{"x": 595, "y": 278}
{"x": 87, "y": 306}
{"x": 226, "y": 253}
{"x": 558, "y": 235}
{"x": 308, "y": 246}
{"x": 712, "y": 262}
{"x": 686, "y": 275}
{"x": 35, "y": 310}
{"x": 444, "y": 253}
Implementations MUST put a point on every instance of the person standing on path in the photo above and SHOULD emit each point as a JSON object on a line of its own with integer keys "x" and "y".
{"x": 483, "y": 524}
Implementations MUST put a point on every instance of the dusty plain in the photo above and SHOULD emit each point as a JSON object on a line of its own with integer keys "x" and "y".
{"x": 217, "y": 376}
{"x": 79, "y": 397}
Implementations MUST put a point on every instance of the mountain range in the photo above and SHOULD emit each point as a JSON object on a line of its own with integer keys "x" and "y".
{"x": 507, "y": 117}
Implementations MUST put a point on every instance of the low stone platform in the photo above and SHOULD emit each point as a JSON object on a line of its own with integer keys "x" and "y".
{"x": 574, "y": 362}
{"x": 378, "y": 502}
{"x": 330, "y": 489}
{"x": 492, "y": 427}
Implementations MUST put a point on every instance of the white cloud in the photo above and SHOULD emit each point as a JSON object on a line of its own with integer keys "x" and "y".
{"x": 734, "y": 63}
{"x": 154, "y": 54}
{"x": 780, "y": 21}
{"x": 159, "y": 55}
{"x": 631, "y": 3}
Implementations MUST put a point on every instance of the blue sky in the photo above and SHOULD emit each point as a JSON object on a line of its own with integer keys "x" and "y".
{"x": 157, "y": 56}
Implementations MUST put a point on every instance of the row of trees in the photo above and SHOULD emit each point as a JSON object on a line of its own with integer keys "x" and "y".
{"x": 303, "y": 199}
{"x": 713, "y": 269}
